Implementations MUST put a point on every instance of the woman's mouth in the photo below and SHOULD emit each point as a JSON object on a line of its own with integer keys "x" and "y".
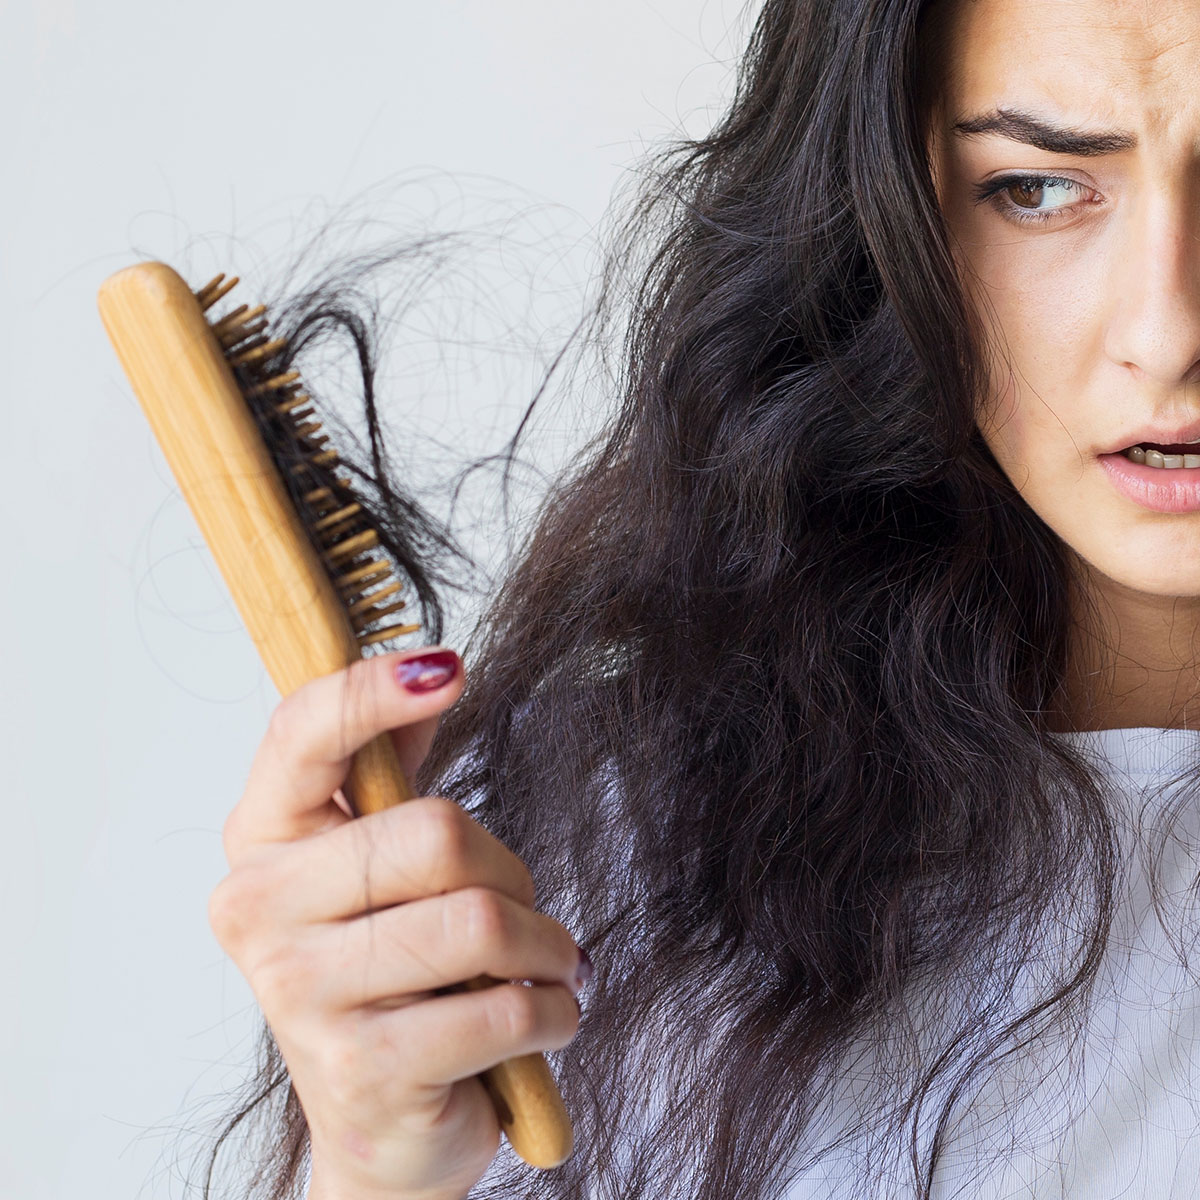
{"x": 1172, "y": 457}
{"x": 1162, "y": 477}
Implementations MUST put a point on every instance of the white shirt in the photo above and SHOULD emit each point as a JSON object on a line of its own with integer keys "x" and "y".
{"x": 1120, "y": 1119}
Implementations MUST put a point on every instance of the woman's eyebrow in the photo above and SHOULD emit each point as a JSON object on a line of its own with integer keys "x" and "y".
{"x": 1045, "y": 135}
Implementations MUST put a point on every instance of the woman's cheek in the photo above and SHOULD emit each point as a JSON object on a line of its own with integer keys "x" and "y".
{"x": 1004, "y": 426}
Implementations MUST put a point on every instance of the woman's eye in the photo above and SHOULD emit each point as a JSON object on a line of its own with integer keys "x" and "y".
{"x": 1030, "y": 198}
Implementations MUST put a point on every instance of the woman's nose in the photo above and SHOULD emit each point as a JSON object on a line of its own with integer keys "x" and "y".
{"x": 1154, "y": 325}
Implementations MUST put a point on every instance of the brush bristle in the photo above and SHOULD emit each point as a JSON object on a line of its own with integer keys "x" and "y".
{"x": 324, "y": 499}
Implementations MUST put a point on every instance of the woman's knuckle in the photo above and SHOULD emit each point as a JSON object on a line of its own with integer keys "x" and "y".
{"x": 284, "y": 977}
{"x": 284, "y": 720}
{"x": 442, "y": 832}
{"x": 236, "y": 904}
{"x": 481, "y": 918}
{"x": 224, "y": 912}
{"x": 236, "y": 832}
{"x": 515, "y": 1013}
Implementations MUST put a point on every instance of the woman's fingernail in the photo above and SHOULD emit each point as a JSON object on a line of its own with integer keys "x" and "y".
{"x": 427, "y": 672}
{"x": 584, "y": 971}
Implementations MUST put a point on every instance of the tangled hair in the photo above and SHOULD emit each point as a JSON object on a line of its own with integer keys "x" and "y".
{"x": 766, "y": 701}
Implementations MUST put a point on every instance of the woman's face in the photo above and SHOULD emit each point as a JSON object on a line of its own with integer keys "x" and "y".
{"x": 1082, "y": 118}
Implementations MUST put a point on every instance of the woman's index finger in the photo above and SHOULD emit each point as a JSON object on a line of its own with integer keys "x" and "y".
{"x": 305, "y": 755}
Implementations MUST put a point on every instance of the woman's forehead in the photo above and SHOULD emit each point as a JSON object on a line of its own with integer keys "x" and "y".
{"x": 1116, "y": 63}
{"x": 1147, "y": 30}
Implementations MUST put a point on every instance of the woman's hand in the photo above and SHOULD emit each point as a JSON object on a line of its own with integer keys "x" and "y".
{"x": 345, "y": 927}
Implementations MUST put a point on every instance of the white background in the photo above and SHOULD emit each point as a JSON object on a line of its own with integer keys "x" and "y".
{"x": 218, "y": 137}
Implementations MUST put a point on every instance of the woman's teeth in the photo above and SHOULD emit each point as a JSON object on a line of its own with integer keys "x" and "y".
{"x": 1156, "y": 458}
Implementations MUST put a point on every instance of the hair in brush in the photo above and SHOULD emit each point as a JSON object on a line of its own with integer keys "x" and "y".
{"x": 388, "y": 520}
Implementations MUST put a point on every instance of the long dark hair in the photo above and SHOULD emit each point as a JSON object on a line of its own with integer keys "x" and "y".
{"x": 765, "y": 702}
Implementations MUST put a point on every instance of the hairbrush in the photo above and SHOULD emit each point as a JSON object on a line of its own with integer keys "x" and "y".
{"x": 304, "y": 566}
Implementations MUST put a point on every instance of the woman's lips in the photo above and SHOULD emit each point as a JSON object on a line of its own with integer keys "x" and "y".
{"x": 1160, "y": 489}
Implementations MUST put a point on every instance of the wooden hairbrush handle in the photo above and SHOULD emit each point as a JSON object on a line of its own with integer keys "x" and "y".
{"x": 187, "y": 389}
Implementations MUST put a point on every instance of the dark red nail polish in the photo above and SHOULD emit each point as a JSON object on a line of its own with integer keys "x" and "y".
{"x": 427, "y": 672}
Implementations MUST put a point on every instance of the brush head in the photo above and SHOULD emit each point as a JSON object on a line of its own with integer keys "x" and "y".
{"x": 303, "y": 563}
{"x": 325, "y": 501}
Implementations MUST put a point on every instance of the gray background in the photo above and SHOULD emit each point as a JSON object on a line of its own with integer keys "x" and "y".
{"x": 218, "y": 137}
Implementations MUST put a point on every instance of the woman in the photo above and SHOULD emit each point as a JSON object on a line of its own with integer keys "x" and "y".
{"x": 819, "y": 705}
